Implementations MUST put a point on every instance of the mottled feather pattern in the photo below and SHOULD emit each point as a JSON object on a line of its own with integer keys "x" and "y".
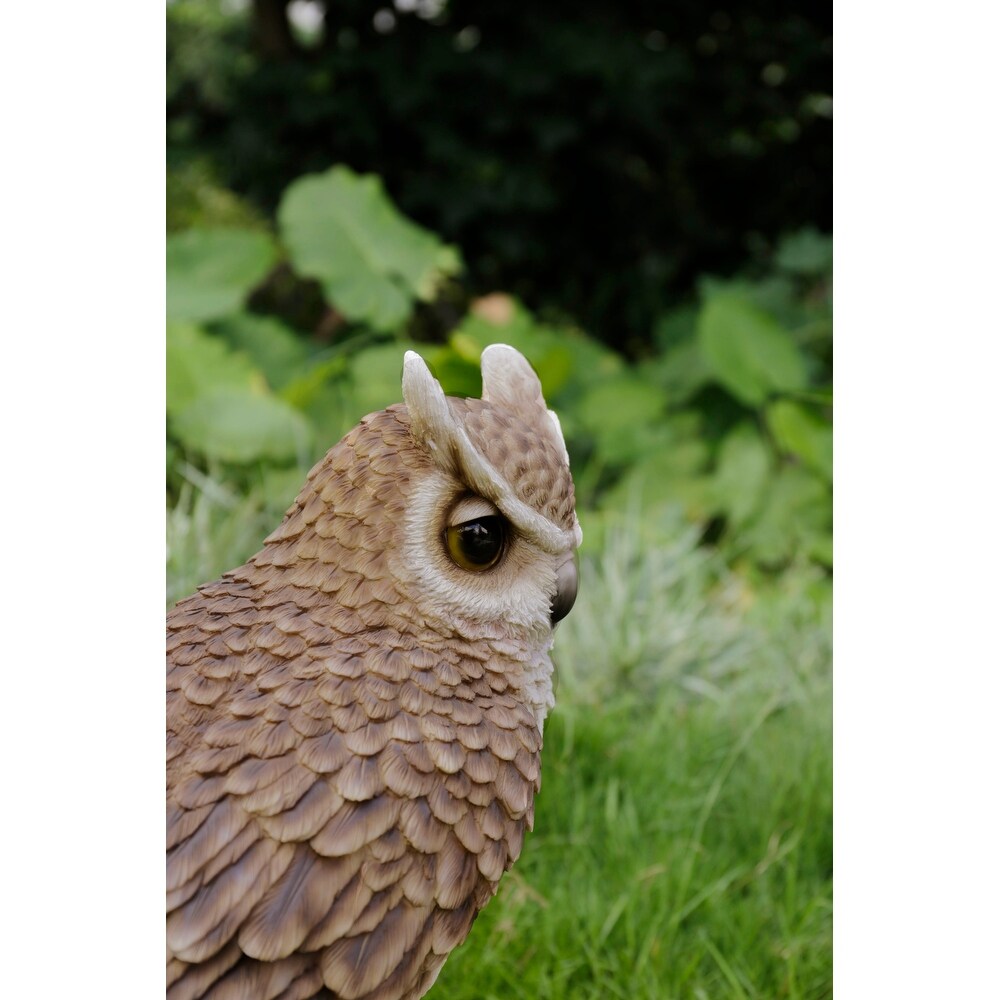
{"x": 348, "y": 773}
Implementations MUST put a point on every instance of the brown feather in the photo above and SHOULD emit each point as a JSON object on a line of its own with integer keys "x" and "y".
{"x": 280, "y": 795}
{"x": 414, "y": 974}
{"x": 222, "y": 825}
{"x": 456, "y": 874}
{"x": 447, "y": 757}
{"x": 420, "y": 828}
{"x": 445, "y": 806}
{"x": 181, "y": 823}
{"x": 306, "y": 987}
{"x": 324, "y": 754}
{"x": 307, "y": 817}
{"x": 255, "y": 774}
{"x": 294, "y": 905}
{"x": 203, "y": 925}
{"x": 356, "y": 965}
{"x": 451, "y": 927}
{"x": 359, "y": 779}
{"x": 342, "y": 915}
{"x": 401, "y": 777}
{"x": 260, "y": 980}
{"x": 378, "y": 906}
{"x": 194, "y": 980}
{"x": 356, "y": 824}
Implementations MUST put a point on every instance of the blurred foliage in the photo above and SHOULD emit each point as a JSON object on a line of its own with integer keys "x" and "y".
{"x": 591, "y": 159}
{"x": 373, "y": 263}
{"x": 726, "y": 419}
{"x": 648, "y": 176}
{"x": 633, "y": 174}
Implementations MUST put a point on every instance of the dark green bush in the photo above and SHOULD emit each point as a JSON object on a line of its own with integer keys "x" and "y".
{"x": 591, "y": 158}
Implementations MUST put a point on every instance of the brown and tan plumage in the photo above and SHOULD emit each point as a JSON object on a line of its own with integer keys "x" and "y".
{"x": 354, "y": 716}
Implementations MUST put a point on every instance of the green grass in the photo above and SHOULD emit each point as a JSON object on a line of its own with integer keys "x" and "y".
{"x": 683, "y": 834}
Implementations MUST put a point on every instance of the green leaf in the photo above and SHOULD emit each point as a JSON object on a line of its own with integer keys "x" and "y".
{"x": 774, "y": 294}
{"x": 806, "y": 252}
{"x": 624, "y": 401}
{"x": 801, "y": 432}
{"x": 304, "y": 390}
{"x": 280, "y": 487}
{"x": 624, "y": 415}
{"x": 741, "y": 474}
{"x": 276, "y": 350}
{"x": 821, "y": 549}
{"x": 458, "y": 377}
{"x": 210, "y": 271}
{"x": 670, "y": 477}
{"x": 681, "y": 371}
{"x": 796, "y": 515}
{"x": 667, "y": 468}
{"x": 198, "y": 363}
{"x": 748, "y": 352}
{"x": 195, "y": 198}
{"x": 675, "y": 327}
{"x": 377, "y": 375}
{"x": 235, "y": 425}
{"x": 330, "y": 406}
{"x": 342, "y": 229}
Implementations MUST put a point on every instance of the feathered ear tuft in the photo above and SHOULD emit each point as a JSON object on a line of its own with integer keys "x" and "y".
{"x": 431, "y": 419}
{"x": 508, "y": 379}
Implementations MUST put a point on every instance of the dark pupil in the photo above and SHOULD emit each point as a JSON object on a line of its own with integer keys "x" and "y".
{"x": 480, "y": 540}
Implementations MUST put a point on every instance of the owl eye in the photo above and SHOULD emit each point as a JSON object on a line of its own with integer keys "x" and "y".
{"x": 476, "y": 545}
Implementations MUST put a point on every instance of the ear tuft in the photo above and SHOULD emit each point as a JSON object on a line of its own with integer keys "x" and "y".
{"x": 430, "y": 417}
{"x": 508, "y": 379}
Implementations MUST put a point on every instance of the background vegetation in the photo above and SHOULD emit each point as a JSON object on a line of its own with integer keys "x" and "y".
{"x": 636, "y": 199}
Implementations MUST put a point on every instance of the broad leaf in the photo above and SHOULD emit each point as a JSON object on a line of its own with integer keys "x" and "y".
{"x": 235, "y": 425}
{"x": 624, "y": 401}
{"x": 796, "y": 516}
{"x": 805, "y": 252}
{"x": 457, "y": 376}
{"x": 624, "y": 416}
{"x": 377, "y": 375}
{"x": 280, "y": 486}
{"x": 670, "y": 477}
{"x": 198, "y": 363}
{"x": 741, "y": 474}
{"x": 681, "y": 371}
{"x": 342, "y": 229}
{"x": 748, "y": 352}
{"x": 276, "y": 350}
{"x": 801, "y": 432}
{"x": 210, "y": 271}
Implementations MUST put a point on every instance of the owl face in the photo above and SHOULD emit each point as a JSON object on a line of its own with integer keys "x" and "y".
{"x": 491, "y": 530}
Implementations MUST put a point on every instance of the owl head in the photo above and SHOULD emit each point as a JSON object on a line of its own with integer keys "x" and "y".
{"x": 441, "y": 516}
{"x": 492, "y": 531}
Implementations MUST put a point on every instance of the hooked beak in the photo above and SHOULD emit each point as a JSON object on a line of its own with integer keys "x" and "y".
{"x": 566, "y": 581}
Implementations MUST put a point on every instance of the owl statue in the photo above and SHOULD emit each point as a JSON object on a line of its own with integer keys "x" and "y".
{"x": 354, "y": 716}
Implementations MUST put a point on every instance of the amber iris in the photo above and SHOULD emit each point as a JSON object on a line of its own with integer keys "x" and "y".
{"x": 476, "y": 545}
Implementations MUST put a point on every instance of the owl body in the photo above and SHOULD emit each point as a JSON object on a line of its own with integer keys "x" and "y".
{"x": 354, "y": 719}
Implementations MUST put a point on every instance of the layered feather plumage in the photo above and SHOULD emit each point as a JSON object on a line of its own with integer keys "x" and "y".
{"x": 350, "y": 768}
